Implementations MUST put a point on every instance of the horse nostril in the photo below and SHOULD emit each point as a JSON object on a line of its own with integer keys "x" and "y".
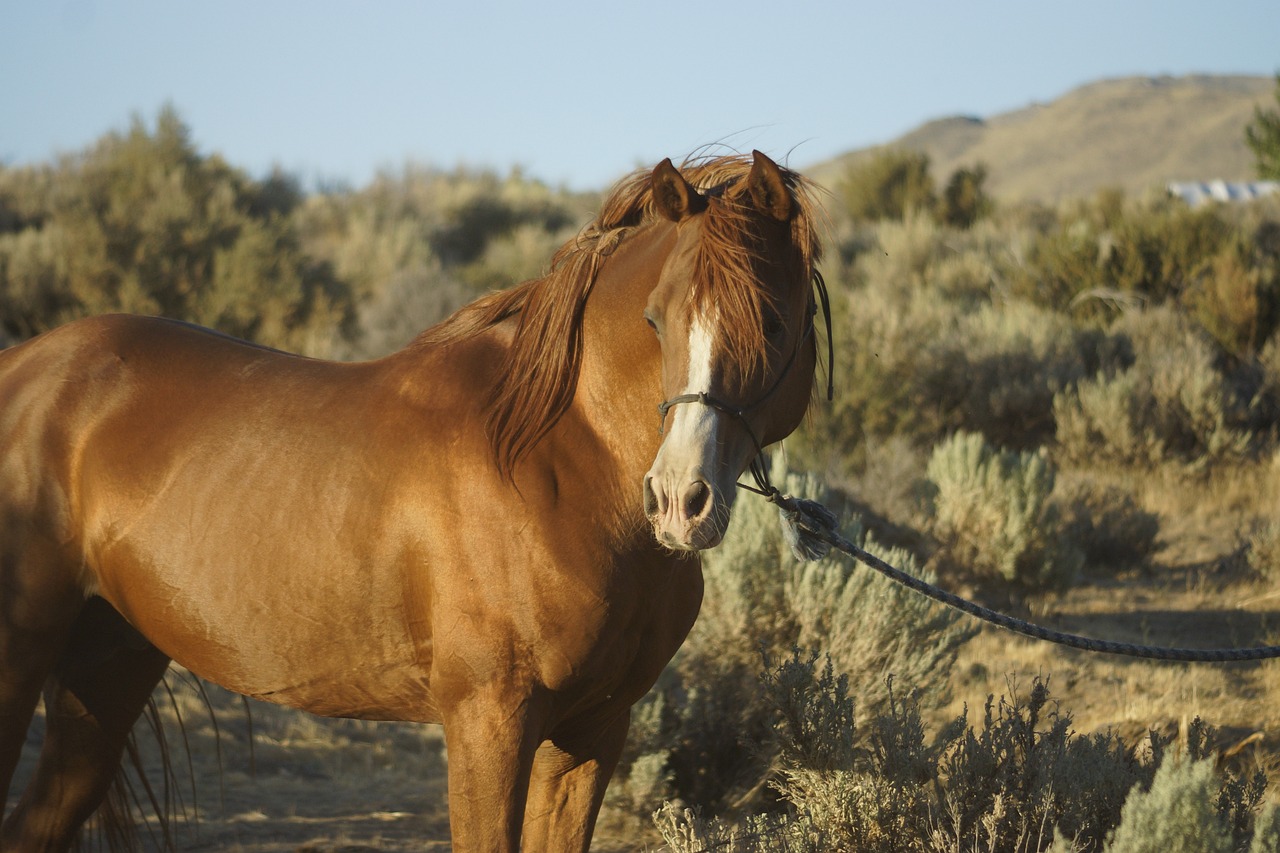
{"x": 650, "y": 499}
{"x": 697, "y": 499}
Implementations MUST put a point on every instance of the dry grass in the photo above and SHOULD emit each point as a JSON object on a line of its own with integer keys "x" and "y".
{"x": 1198, "y": 592}
{"x": 301, "y": 783}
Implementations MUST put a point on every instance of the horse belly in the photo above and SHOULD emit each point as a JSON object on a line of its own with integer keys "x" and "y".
{"x": 285, "y": 588}
{"x": 314, "y": 638}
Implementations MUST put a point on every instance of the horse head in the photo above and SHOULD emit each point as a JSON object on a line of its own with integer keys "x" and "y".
{"x": 733, "y": 312}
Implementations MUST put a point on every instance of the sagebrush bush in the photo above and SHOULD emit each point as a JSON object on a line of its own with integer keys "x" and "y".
{"x": 876, "y": 389}
{"x": 926, "y": 366}
{"x": 1106, "y": 523}
{"x": 999, "y": 374}
{"x": 938, "y": 346}
{"x": 1266, "y": 832}
{"x": 1062, "y": 267}
{"x": 1236, "y": 298}
{"x": 1104, "y": 256}
{"x": 1158, "y": 248}
{"x": 1265, "y": 396}
{"x": 687, "y": 830}
{"x": 1172, "y": 405}
{"x": 993, "y": 513}
{"x": 142, "y": 222}
{"x": 1025, "y": 773}
{"x": 1262, "y": 549}
{"x": 1111, "y": 417}
{"x": 417, "y": 245}
{"x": 857, "y": 617}
{"x": 1176, "y": 815}
{"x": 892, "y": 184}
{"x": 709, "y": 714}
{"x": 1019, "y": 781}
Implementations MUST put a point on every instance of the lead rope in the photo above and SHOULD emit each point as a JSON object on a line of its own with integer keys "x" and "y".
{"x": 811, "y": 530}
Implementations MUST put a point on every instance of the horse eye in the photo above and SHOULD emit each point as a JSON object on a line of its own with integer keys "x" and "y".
{"x": 773, "y": 325}
{"x": 648, "y": 318}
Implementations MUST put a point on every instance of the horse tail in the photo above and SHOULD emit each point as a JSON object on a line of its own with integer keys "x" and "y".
{"x": 137, "y": 806}
{"x": 146, "y": 799}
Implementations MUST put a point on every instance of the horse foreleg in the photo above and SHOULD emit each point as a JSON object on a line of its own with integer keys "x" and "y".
{"x": 570, "y": 773}
{"x": 491, "y": 738}
{"x": 97, "y": 691}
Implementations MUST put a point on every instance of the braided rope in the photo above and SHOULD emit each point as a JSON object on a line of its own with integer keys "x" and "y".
{"x": 816, "y": 521}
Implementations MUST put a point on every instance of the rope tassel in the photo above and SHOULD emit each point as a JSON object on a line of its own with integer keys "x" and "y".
{"x": 806, "y": 526}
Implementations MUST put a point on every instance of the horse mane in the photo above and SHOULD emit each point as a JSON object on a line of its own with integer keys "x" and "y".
{"x": 541, "y": 367}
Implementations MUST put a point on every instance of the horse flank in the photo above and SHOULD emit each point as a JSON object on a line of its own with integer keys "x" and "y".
{"x": 542, "y": 364}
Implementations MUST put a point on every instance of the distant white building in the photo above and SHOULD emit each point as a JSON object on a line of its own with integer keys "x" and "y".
{"x": 1196, "y": 193}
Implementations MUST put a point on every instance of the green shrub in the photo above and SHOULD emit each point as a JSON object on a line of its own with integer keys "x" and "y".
{"x": 1107, "y": 524}
{"x": 892, "y": 184}
{"x": 1236, "y": 298}
{"x": 1262, "y": 135}
{"x": 1019, "y": 781}
{"x": 993, "y": 513}
{"x": 1262, "y": 549}
{"x": 1157, "y": 250}
{"x": 964, "y": 199}
{"x": 141, "y": 222}
{"x": 1266, "y": 832}
{"x": 1176, "y": 815}
{"x": 1172, "y": 405}
{"x": 1104, "y": 257}
{"x": 1061, "y": 267}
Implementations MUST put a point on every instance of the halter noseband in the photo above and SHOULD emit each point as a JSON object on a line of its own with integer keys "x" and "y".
{"x": 759, "y": 470}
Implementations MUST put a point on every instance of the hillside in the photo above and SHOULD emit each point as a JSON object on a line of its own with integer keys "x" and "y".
{"x": 1135, "y": 133}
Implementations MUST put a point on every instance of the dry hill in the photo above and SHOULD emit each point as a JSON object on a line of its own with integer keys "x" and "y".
{"x": 1135, "y": 133}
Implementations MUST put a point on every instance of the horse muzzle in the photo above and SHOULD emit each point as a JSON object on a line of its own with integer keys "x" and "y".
{"x": 688, "y": 512}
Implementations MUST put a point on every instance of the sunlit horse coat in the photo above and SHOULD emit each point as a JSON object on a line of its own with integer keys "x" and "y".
{"x": 485, "y": 529}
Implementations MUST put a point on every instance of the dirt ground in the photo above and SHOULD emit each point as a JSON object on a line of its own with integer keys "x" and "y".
{"x": 308, "y": 785}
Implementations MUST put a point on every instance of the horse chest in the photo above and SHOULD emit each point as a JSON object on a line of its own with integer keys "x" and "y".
{"x": 618, "y": 650}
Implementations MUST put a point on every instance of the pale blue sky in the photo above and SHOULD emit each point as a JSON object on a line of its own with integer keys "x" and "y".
{"x": 574, "y": 93}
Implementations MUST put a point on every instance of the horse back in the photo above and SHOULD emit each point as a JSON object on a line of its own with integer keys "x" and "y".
{"x": 244, "y": 508}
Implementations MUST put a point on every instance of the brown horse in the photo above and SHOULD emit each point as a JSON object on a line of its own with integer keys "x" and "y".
{"x": 486, "y": 529}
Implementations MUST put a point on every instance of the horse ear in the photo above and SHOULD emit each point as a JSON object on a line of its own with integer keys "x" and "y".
{"x": 673, "y": 196}
{"x": 769, "y": 188}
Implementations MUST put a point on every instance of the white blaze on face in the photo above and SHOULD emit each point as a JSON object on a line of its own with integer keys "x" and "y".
{"x": 692, "y": 431}
{"x": 689, "y": 488}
